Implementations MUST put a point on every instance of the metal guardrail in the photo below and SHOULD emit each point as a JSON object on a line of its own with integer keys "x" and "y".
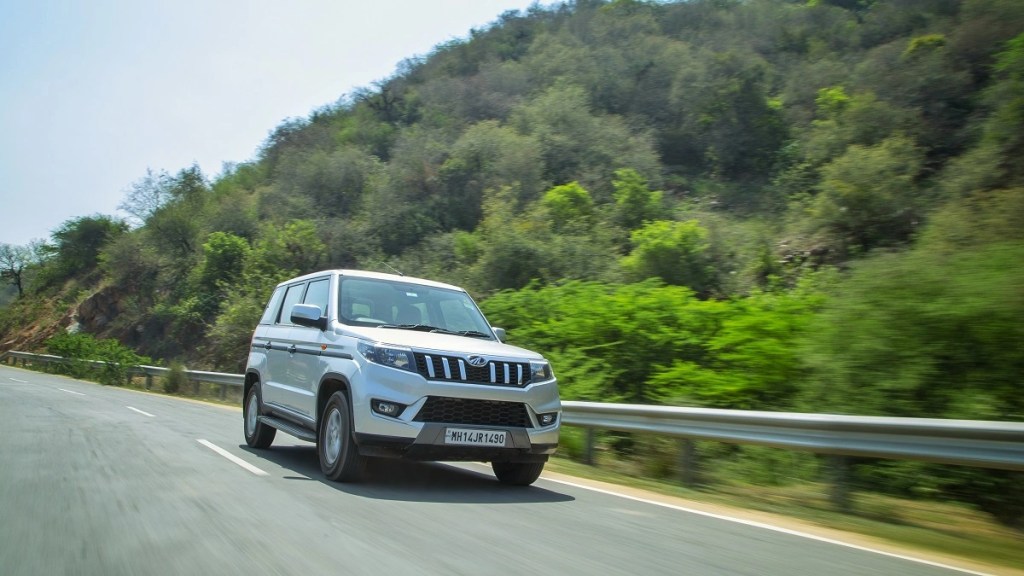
{"x": 978, "y": 443}
{"x": 194, "y": 376}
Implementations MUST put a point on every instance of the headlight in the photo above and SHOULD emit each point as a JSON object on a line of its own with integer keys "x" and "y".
{"x": 392, "y": 356}
{"x": 540, "y": 371}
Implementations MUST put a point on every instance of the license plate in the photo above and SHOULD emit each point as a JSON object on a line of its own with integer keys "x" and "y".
{"x": 467, "y": 437}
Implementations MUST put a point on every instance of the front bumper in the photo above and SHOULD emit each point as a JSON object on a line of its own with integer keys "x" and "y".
{"x": 406, "y": 436}
{"x": 429, "y": 445}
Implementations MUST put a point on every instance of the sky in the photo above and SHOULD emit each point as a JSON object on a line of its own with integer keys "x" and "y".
{"x": 95, "y": 92}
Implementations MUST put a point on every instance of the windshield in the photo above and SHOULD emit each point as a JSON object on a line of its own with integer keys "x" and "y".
{"x": 404, "y": 305}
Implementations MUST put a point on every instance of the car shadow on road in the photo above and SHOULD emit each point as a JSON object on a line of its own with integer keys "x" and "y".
{"x": 401, "y": 480}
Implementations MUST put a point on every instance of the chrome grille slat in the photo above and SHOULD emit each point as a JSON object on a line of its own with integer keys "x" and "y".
{"x": 430, "y": 366}
{"x": 457, "y": 369}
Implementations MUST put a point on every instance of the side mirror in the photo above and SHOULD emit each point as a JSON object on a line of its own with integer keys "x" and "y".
{"x": 500, "y": 333}
{"x": 308, "y": 315}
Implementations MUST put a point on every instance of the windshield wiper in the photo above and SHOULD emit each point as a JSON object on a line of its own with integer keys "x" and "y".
{"x": 417, "y": 327}
{"x": 435, "y": 329}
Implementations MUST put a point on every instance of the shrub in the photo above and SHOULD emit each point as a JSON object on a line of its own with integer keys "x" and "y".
{"x": 82, "y": 348}
{"x": 176, "y": 379}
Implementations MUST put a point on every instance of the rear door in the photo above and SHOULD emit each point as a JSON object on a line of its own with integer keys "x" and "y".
{"x": 278, "y": 345}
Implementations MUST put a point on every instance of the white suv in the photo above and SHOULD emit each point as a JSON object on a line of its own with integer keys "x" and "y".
{"x": 368, "y": 364}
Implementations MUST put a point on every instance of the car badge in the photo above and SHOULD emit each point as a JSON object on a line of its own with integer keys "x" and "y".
{"x": 477, "y": 361}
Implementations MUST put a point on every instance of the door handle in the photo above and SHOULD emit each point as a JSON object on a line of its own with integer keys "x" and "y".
{"x": 268, "y": 345}
{"x": 291, "y": 350}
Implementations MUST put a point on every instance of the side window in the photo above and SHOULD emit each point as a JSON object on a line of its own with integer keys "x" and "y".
{"x": 318, "y": 294}
{"x": 270, "y": 314}
{"x": 292, "y": 297}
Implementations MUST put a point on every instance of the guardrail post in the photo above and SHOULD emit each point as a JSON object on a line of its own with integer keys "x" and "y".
{"x": 588, "y": 450}
{"x": 149, "y": 381}
{"x": 689, "y": 466}
{"x": 223, "y": 391}
{"x": 839, "y": 489}
{"x": 195, "y": 387}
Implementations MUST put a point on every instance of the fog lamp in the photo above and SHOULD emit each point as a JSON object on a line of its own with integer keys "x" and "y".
{"x": 385, "y": 408}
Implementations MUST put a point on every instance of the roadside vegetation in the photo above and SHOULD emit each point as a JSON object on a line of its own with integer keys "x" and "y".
{"x": 773, "y": 205}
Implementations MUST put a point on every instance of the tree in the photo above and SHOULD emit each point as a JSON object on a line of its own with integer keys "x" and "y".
{"x": 567, "y": 205}
{"x": 133, "y": 265}
{"x": 634, "y": 202}
{"x": 487, "y": 156}
{"x": 333, "y": 182}
{"x": 149, "y": 194}
{"x": 281, "y": 253}
{"x": 222, "y": 265}
{"x": 146, "y": 195}
{"x": 727, "y": 124}
{"x": 77, "y": 243}
{"x": 842, "y": 120}
{"x": 223, "y": 257}
{"x": 868, "y": 196}
{"x": 511, "y": 251}
{"x": 580, "y": 144}
{"x": 290, "y": 250}
{"x": 676, "y": 252}
{"x": 14, "y": 260}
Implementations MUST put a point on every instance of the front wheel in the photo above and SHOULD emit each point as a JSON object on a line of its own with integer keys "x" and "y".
{"x": 257, "y": 434}
{"x": 517, "y": 473}
{"x": 339, "y": 458}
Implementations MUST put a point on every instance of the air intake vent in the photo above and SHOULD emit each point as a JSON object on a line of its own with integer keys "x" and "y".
{"x": 475, "y": 412}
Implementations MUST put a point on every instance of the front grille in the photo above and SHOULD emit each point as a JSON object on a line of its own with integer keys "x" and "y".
{"x": 457, "y": 369}
{"x": 476, "y": 412}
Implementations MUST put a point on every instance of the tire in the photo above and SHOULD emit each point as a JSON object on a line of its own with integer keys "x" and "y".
{"x": 339, "y": 457}
{"x": 517, "y": 473}
{"x": 257, "y": 434}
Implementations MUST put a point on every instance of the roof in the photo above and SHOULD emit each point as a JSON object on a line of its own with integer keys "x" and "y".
{"x": 374, "y": 275}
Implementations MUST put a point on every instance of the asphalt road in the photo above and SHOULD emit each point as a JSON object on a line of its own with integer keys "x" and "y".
{"x": 97, "y": 480}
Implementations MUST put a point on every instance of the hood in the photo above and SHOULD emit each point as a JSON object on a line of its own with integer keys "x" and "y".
{"x": 445, "y": 343}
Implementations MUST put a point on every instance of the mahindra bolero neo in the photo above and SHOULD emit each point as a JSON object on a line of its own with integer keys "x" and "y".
{"x": 380, "y": 365}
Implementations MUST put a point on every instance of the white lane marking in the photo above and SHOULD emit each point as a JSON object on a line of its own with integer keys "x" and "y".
{"x": 140, "y": 412}
{"x": 770, "y": 527}
{"x": 71, "y": 392}
{"x": 18, "y": 381}
{"x": 233, "y": 458}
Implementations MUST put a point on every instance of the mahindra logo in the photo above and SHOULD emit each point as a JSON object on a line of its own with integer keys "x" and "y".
{"x": 477, "y": 361}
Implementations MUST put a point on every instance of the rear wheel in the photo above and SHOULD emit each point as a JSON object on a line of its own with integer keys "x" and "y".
{"x": 339, "y": 458}
{"x": 517, "y": 473}
{"x": 257, "y": 434}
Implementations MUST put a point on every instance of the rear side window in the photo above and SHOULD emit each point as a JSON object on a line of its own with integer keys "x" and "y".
{"x": 270, "y": 314}
{"x": 292, "y": 297}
